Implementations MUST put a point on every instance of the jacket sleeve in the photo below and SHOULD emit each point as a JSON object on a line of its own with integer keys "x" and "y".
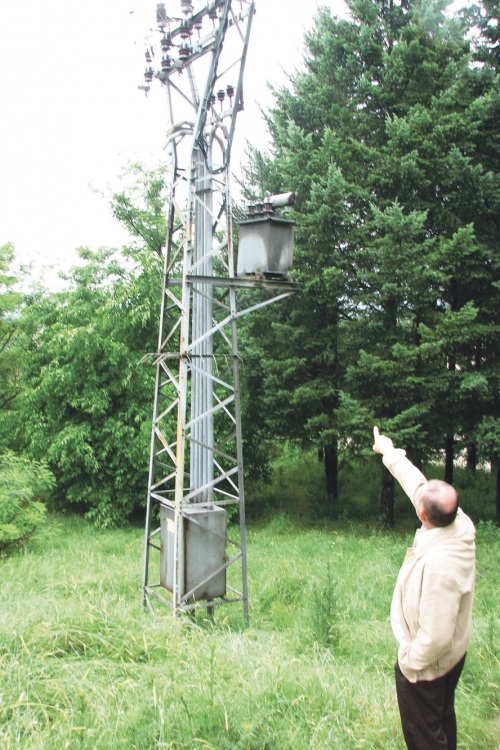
{"x": 409, "y": 477}
{"x": 437, "y": 619}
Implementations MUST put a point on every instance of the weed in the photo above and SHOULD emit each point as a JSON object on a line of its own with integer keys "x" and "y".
{"x": 325, "y": 612}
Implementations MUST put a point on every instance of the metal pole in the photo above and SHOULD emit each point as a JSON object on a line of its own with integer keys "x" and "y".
{"x": 237, "y": 402}
{"x": 158, "y": 376}
{"x": 201, "y": 449}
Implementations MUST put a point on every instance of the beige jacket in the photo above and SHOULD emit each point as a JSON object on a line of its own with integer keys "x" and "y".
{"x": 435, "y": 587}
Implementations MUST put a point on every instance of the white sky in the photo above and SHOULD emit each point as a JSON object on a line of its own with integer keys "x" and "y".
{"x": 72, "y": 116}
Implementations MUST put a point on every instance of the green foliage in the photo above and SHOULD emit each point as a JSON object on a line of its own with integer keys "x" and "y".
{"x": 295, "y": 487}
{"x": 87, "y": 402}
{"x": 75, "y": 394}
{"x": 9, "y": 299}
{"x": 140, "y": 205}
{"x": 83, "y": 665}
{"x": 24, "y": 486}
{"x": 294, "y": 493}
{"x": 10, "y": 352}
{"x": 489, "y": 437}
{"x": 391, "y": 137}
{"x": 486, "y": 19}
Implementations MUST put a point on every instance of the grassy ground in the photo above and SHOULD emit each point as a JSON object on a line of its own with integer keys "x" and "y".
{"x": 83, "y": 666}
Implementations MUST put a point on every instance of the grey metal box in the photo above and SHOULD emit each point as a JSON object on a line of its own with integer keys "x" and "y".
{"x": 204, "y": 550}
{"x": 265, "y": 246}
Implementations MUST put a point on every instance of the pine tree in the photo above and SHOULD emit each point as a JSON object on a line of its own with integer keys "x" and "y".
{"x": 390, "y": 135}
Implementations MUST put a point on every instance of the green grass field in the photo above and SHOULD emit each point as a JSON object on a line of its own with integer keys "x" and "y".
{"x": 82, "y": 665}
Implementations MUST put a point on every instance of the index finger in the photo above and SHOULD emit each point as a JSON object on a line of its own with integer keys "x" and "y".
{"x": 376, "y": 433}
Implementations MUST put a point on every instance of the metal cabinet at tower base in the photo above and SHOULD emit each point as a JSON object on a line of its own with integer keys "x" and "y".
{"x": 265, "y": 246}
{"x": 203, "y": 551}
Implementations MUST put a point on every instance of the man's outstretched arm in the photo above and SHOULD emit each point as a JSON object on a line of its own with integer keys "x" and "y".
{"x": 401, "y": 468}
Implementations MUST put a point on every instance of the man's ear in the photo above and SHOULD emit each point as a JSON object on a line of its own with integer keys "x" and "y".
{"x": 423, "y": 516}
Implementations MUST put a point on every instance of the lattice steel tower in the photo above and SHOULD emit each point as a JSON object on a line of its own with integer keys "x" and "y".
{"x": 196, "y": 465}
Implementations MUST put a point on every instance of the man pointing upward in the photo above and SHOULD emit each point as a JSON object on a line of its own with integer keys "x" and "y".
{"x": 431, "y": 610}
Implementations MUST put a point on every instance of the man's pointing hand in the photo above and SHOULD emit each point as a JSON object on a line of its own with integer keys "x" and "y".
{"x": 381, "y": 443}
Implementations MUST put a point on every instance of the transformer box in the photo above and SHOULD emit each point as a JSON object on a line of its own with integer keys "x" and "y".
{"x": 203, "y": 550}
{"x": 265, "y": 246}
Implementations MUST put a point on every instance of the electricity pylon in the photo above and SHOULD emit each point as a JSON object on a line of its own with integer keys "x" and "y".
{"x": 196, "y": 463}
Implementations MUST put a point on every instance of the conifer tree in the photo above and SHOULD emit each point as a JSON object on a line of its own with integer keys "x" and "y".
{"x": 389, "y": 135}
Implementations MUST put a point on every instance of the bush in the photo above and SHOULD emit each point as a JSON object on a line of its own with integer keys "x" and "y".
{"x": 23, "y": 485}
{"x": 87, "y": 404}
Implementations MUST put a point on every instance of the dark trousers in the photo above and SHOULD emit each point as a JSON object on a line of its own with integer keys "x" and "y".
{"x": 427, "y": 710}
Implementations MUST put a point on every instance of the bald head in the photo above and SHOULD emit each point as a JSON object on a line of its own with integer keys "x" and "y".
{"x": 439, "y": 500}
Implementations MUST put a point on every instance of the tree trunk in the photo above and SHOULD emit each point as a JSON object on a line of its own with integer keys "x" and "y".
{"x": 449, "y": 455}
{"x": 472, "y": 447}
{"x": 387, "y": 499}
{"x": 472, "y": 457}
{"x": 449, "y": 446}
{"x": 331, "y": 474}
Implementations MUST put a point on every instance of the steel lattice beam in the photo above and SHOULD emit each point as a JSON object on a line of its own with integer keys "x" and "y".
{"x": 196, "y": 459}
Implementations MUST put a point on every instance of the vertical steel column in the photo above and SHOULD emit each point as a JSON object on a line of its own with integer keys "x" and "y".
{"x": 202, "y": 430}
{"x": 178, "y": 577}
{"x": 237, "y": 401}
{"x": 158, "y": 377}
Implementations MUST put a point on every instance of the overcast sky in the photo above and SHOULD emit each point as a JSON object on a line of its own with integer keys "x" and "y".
{"x": 73, "y": 117}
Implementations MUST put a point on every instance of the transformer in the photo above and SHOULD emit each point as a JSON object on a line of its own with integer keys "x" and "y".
{"x": 265, "y": 246}
{"x": 203, "y": 550}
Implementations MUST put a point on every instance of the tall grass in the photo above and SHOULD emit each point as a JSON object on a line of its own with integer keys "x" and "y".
{"x": 82, "y": 665}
